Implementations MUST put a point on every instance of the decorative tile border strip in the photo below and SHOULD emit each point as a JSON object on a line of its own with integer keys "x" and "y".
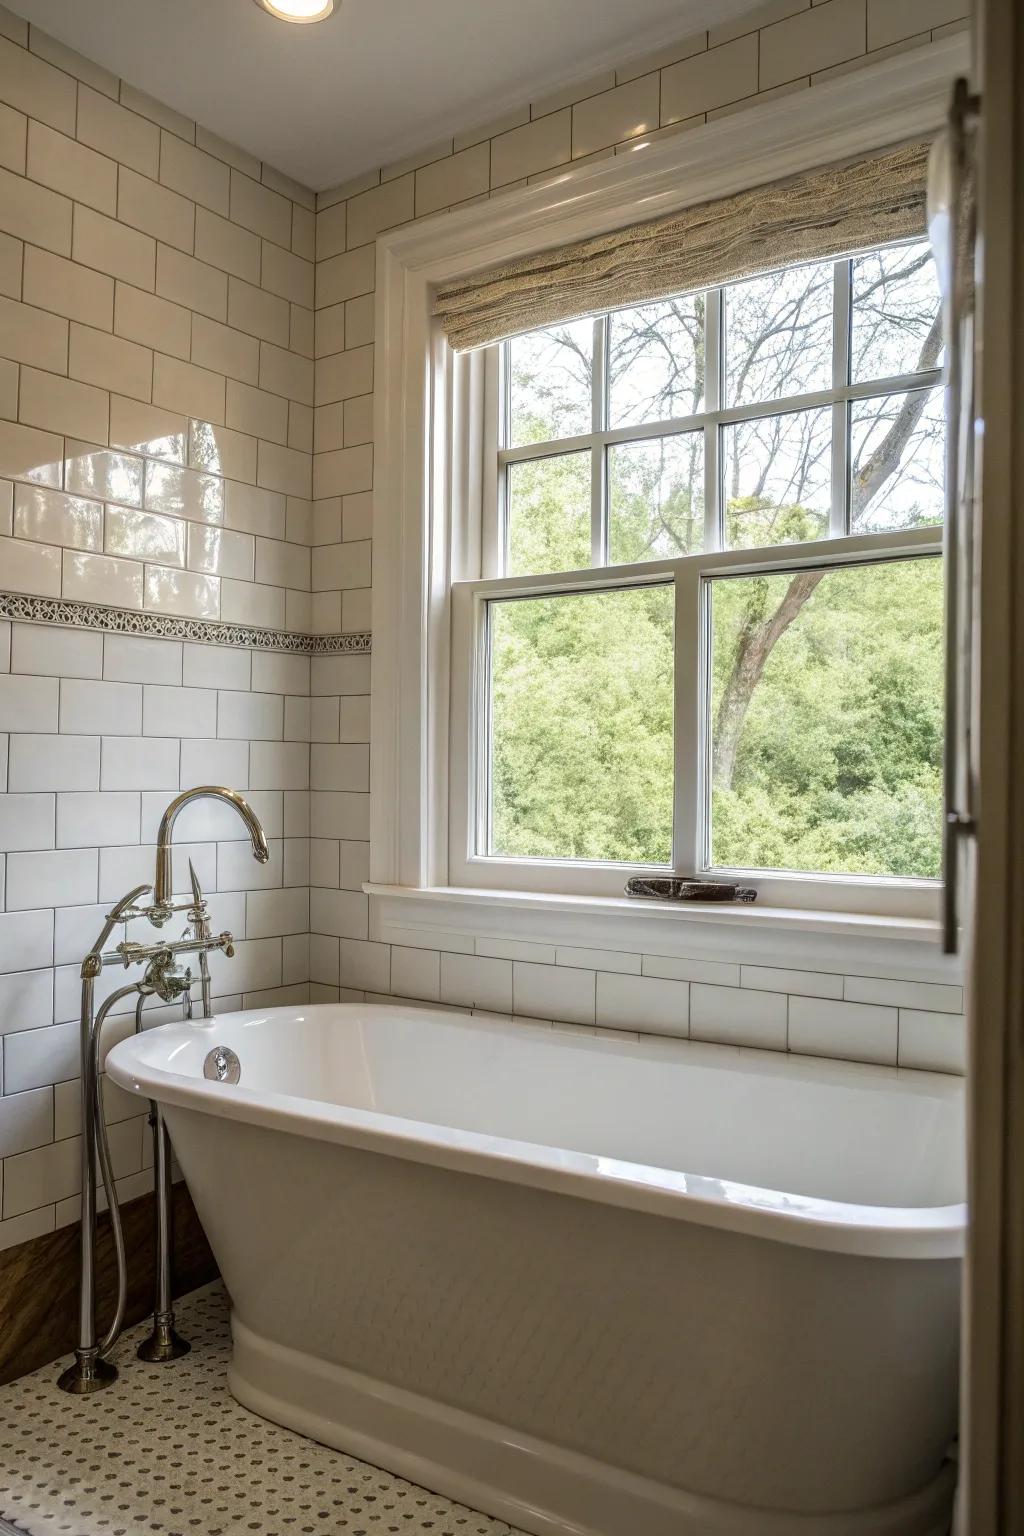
{"x": 128, "y": 621}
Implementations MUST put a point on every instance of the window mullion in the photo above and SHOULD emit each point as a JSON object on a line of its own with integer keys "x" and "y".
{"x": 690, "y": 727}
{"x": 714, "y": 538}
{"x": 840, "y": 410}
{"x": 598, "y": 455}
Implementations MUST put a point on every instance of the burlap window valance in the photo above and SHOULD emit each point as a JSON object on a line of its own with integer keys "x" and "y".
{"x": 816, "y": 215}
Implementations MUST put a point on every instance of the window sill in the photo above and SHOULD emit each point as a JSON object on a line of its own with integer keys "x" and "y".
{"x": 854, "y": 942}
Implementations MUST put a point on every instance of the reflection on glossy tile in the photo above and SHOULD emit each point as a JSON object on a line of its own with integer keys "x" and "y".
{"x": 184, "y": 492}
{"x": 102, "y": 579}
{"x": 181, "y": 592}
{"x": 220, "y": 551}
{"x": 147, "y": 429}
{"x": 29, "y": 567}
{"x": 51, "y": 517}
{"x": 103, "y": 472}
{"x": 26, "y": 454}
{"x": 145, "y": 535}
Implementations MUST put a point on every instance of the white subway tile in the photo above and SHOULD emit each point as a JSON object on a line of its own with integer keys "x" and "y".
{"x": 597, "y": 959}
{"x": 144, "y": 762}
{"x": 553, "y": 992}
{"x": 852, "y": 1031}
{"x": 474, "y": 982}
{"x": 54, "y": 762}
{"x": 26, "y": 1001}
{"x": 215, "y": 666}
{"x": 21, "y": 1229}
{"x": 102, "y": 579}
{"x": 934, "y": 1042}
{"x": 353, "y": 864}
{"x": 128, "y": 532}
{"x": 139, "y": 659}
{"x": 933, "y": 997}
{"x": 342, "y": 914}
{"x": 257, "y": 716}
{"x": 31, "y": 567}
{"x": 65, "y": 877}
{"x": 733, "y": 1016}
{"x": 26, "y": 822}
{"x": 47, "y": 650}
{"x": 26, "y": 940}
{"x": 100, "y": 709}
{"x": 365, "y": 965}
{"x": 182, "y": 592}
{"x": 271, "y": 913}
{"x": 28, "y": 703}
{"x": 643, "y": 1003}
{"x": 717, "y": 972}
{"x": 766, "y": 978}
{"x": 149, "y": 429}
{"x": 51, "y": 517}
{"x": 416, "y": 972}
{"x": 92, "y": 819}
{"x": 26, "y": 1121}
{"x": 178, "y": 711}
{"x": 35, "y": 1058}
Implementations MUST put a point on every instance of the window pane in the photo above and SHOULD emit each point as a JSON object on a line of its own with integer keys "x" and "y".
{"x": 826, "y": 716}
{"x": 656, "y": 361}
{"x": 550, "y": 383}
{"x": 778, "y": 478}
{"x": 896, "y": 325}
{"x": 581, "y": 726}
{"x": 657, "y": 498}
{"x": 897, "y": 461}
{"x": 549, "y": 515}
{"x": 778, "y": 332}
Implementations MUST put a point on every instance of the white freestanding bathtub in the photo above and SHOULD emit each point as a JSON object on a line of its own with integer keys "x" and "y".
{"x": 589, "y": 1285}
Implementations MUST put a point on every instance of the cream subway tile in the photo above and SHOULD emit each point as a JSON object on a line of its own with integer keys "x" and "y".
{"x": 760, "y": 16}
{"x": 157, "y": 112}
{"x": 344, "y": 374}
{"x": 144, "y": 535}
{"x": 224, "y": 350}
{"x": 300, "y": 428}
{"x": 114, "y": 131}
{"x": 63, "y": 405}
{"x": 330, "y": 329}
{"x": 815, "y": 39}
{"x": 439, "y": 150}
{"x": 36, "y": 88}
{"x": 355, "y": 611}
{"x": 323, "y": 719}
{"x": 568, "y": 94}
{"x": 296, "y": 719}
{"x": 28, "y": 704}
{"x": 185, "y": 493}
{"x": 194, "y": 174}
{"x": 13, "y": 27}
{"x": 342, "y": 566}
{"x": 186, "y": 388}
{"x": 449, "y": 181}
{"x": 224, "y": 245}
{"x": 97, "y": 357}
{"x": 933, "y": 997}
{"x": 617, "y": 114}
{"x": 932, "y": 1042}
{"x": 103, "y": 473}
{"x": 101, "y": 579}
{"x": 66, "y": 166}
{"x": 329, "y": 431}
{"x": 733, "y": 1016}
{"x": 535, "y": 147}
{"x": 243, "y": 602}
{"x": 326, "y": 612}
{"x": 253, "y": 510}
{"x": 301, "y": 330}
{"x": 34, "y": 213}
{"x": 284, "y": 373}
{"x": 50, "y": 651}
{"x": 73, "y": 63}
{"x": 354, "y": 725}
{"x": 279, "y": 765}
{"x": 157, "y": 211}
{"x": 261, "y": 314}
{"x": 287, "y": 275}
{"x": 29, "y": 335}
{"x": 52, "y": 517}
{"x": 13, "y": 139}
{"x": 148, "y": 429}
{"x": 343, "y": 472}
{"x": 340, "y": 675}
{"x": 796, "y": 983}
{"x": 181, "y": 592}
{"x": 339, "y": 814}
{"x": 358, "y": 420}
{"x": 220, "y": 552}
{"x": 10, "y": 266}
{"x": 26, "y": 824}
{"x": 330, "y": 231}
{"x": 26, "y": 454}
{"x": 139, "y": 659}
{"x": 303, "y": 232}
{"x": 326, "y": 521}
{"x": 491, "y": 129}
{"x": 381, "y": 208}
{"x": 66, "y": 288}
{"x": 346, "y": 766}
{"x": 152, "y": 322}
{"x": 341, "y": 277}
{"x": 30, "y": 567}
{"x": 276, "y": 672}
{"x": 260, "y": 209}
{"x": 105, "y": 709}
{"x": 281, "y": 564}
{"x": 286, "y": 470}
{"x": 222, "y": 451}
{"x": 54, "y": 762}
{"x": 111, "y": 247}
{"x": 256, "y": 412}
{"x": 641, "y": 1002}
{"x": 9, "y": 373}
{"x": 6, "y": 528}
{"x": 709, "y": 80}
{"x": 216, "y": 666}
{"x": 250, "y": 716}
{"x": 229, "y": 153}
{"x": 894, "y": 20}
{"x": 695, "y": 42}
{"x": 191, "y": 283}
{"x": 854, "y": 1031}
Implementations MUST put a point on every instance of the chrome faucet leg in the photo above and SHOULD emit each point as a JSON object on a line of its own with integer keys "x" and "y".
{"x": 163, "y": 1344}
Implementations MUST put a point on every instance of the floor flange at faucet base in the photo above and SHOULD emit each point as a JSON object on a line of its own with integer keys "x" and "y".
{"x": 164, "y": 1343}
{"x": 87, "y": 1374}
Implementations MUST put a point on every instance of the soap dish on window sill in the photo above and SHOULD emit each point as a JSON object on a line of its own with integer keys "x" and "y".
{"x": 687, "y": 888}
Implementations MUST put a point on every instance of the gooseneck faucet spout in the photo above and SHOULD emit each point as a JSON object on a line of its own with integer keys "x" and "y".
{"x": 163, "y": 885}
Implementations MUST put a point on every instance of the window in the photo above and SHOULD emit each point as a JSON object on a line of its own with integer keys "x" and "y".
{"x": 708, "y": 633}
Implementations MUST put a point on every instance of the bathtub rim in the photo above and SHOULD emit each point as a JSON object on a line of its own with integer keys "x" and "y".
{"x": 868, "y": 1231}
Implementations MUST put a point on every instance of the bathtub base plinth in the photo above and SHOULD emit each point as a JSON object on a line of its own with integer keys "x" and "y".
{"x": 534, "y": 1484}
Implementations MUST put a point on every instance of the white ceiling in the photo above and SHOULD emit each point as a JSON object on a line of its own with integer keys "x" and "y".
{"x": 380, "y": 81}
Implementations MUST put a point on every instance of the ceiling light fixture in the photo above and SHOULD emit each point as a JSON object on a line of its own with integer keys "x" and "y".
{"x": 302, "y": 11}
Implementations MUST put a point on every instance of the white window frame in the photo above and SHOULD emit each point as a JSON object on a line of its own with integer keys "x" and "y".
{"x": 430, "y": 486}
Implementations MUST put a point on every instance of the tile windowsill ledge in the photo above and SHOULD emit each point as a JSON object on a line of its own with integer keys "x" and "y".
{"x": 859, "y": 942}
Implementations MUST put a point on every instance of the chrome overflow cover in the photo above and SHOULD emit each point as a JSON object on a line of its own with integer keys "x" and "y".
{"x": 222, "y": 1065}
